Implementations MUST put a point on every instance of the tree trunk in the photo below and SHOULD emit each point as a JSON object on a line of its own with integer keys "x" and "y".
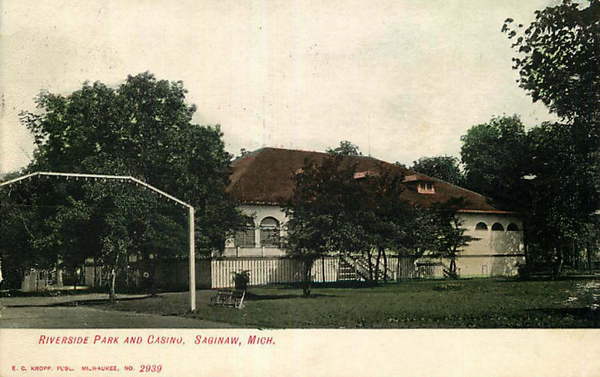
{"x": 561, "y": 262}
{"x": 96, "y": 282}
{"x": 127, "y": 275}
{"x": 398, "y": 267}
{"x": 453, "y": 266}
{"x": 59, "y": 276}
{"x": 113, "y": 276}
{"x": 526, "y": 243}
{"x": 370, "y": 264}
{"x": 574, "y": 254}
{"x": 385, "y": 267}
{"x": 589, "y": 258}
{"x": 377, "y": 264}
{"x": 75, "y": 277}
{"x": 153, "y": 289}
{"x": 558, "y": 264}
{"x": 306, "y": 278}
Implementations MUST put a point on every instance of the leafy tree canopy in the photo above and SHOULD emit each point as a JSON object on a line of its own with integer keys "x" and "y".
{"x": 564, "y": 198}
{"x": 559, "y": 58}
{"x": 442, "y": 167}
{"x": 346, "y": 148}
{"x": 141, "y": 128}
{"x": 495, "y": 158}
{"x": 332, "y": 211}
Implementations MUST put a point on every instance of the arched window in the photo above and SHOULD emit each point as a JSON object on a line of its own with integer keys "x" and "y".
{"x": 246, "y": 237}
{"x": 512, "y": 227}
{"x": 481, "y": 226}
{"x": 497, "y": 226}
{"x": 269, "y": 232}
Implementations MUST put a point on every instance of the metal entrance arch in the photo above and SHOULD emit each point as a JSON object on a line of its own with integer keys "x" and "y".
{"x": 191, "y": 230}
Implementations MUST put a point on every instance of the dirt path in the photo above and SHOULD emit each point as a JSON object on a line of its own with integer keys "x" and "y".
{"x": 55, "y": 312}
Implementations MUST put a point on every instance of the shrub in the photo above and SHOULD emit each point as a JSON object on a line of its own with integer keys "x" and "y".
{"x": 241, "y": 279}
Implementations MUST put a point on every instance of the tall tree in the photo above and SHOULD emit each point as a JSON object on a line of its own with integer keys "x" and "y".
{"x": 442, "y": 167}
{"x": 334, "y": 210}
{"x": 562, "y": 199}
{"x": 142, "y": 128}
{"x": 384, "y": 216}
{"x": 319, "y": 213}
{"x": 449, "y": 232}
{"x": 558, "y": 60}
{"x": 495, "y": 157}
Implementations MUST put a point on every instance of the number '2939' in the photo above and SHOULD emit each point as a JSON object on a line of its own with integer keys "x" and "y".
{"x": 147, "y": 368}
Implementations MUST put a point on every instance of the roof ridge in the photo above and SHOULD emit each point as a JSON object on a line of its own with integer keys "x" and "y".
{"x": 318, "y": 152}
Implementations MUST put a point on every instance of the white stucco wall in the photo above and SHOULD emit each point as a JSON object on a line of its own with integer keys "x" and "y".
{"x": 489, "y": 242}
{"x": 492, "y": 253}
{"x": 258, "y": 213}
{"x": 485, "y": 266}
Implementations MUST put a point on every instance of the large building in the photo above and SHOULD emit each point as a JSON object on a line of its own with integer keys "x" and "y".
{"x": 263, "y": 180}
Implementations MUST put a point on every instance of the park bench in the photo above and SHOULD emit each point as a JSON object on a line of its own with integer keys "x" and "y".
{"x": 232, "y": 298}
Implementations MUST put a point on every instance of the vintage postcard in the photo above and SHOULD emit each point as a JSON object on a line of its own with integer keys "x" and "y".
{"x": 265, "y": 188}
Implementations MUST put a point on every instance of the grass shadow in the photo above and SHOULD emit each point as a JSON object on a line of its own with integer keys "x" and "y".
{"x": 49, "y": 292}
{"x": 580, "y": 313}
{"x": 90, "y": 302}
{"x": 254, "y": 297}
{"x": 548, "y": 278}
{"x": 354, "y": 284}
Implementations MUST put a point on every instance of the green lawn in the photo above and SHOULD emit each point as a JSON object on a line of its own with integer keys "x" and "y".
{"x": 478, "y": 303}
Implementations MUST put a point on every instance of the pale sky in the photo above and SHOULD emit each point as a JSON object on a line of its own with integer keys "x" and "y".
{"x": 401, "y": 79}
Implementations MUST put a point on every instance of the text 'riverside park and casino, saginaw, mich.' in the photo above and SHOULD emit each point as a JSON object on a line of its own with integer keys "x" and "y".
{"x": 158, "y": 339}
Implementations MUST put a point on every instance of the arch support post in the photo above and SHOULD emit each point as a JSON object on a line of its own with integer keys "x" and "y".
{"x": 192, "y": 257}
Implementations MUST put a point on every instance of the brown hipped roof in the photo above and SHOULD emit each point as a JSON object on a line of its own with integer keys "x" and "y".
{"x": 265, "y": 176}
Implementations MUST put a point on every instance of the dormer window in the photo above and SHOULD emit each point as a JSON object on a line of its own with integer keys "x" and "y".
{"x": 425, "y": 188}
{"x": 421, "y": 184}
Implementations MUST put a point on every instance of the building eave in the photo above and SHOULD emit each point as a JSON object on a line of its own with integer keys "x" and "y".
{"x": 260, "y": 203}
{"x": 494, "y": 211}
